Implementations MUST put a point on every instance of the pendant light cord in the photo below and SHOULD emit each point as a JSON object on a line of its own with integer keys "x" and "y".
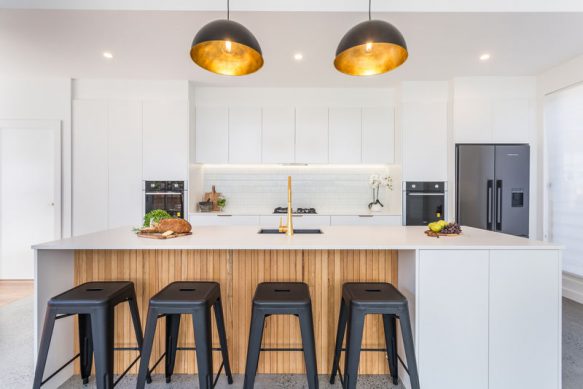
{"x": 369, "y": 5}
{"x": 228, "y": 10}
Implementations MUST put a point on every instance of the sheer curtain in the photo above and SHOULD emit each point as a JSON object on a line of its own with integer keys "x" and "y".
{"x": 563, "y": 121}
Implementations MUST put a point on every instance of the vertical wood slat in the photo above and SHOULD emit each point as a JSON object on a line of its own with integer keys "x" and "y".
{"x": 239, "y": 272}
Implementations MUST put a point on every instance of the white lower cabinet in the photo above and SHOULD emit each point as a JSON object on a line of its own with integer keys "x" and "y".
{"x": 213, "y": 219}
{"x": 360, "y": 220}
{"x": 453, "y": 319}
{"x": 299, "y": 221}
{"x": 525, "y": 309}
{"x": 489, "y": 319}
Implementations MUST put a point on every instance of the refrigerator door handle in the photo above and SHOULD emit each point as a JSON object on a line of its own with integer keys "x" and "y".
{"x": 489, "y": 199}
{"x": 498, "y": 205}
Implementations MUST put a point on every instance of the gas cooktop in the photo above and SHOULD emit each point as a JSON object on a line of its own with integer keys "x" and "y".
{"x": 298, "y": 210}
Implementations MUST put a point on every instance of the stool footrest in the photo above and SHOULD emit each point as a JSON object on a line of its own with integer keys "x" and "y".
{"x": 126, "y": 370}
{"x": 59, "y": 369}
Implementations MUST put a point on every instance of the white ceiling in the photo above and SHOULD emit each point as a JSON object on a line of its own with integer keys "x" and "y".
{"x": 156, "y": 45}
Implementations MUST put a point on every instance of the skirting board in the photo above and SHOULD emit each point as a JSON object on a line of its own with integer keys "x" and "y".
{"x": 573, "y": 287}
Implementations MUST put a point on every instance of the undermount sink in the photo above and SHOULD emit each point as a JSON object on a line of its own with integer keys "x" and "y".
{"x": 298, "y": 231}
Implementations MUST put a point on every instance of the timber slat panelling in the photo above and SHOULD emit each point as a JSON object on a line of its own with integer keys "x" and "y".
{"x": 239, "y": 272}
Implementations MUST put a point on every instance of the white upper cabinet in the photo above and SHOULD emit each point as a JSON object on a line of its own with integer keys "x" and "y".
{"x": 472, "y": 121}
{"x": 278, "y": 135}
{"x": 244, "y": 135}
{"x": 424, "y": 136}
{"x": 511, "y": 121}
{"x": 212, "y": 135}
{"x": 345, "y": 135}
{"x": 165, "y": 140}
{"x": 125, "y": 197}
{"x": 378, "y": 135}
{"x": 311, "y": 135}
{"x": 90, "y": 176}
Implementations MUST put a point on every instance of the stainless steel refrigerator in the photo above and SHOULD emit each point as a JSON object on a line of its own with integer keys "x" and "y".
{"x": 492, "y": 187}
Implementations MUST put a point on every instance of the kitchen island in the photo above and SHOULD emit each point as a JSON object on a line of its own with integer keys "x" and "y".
{"x": 485, "y": 307}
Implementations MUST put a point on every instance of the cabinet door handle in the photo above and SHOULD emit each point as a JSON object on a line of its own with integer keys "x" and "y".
{"x": 365, "y": 215}
{"x": 224, "y": 215}
{"x": 498, "y": 205}
{"x": 489, "y": 198}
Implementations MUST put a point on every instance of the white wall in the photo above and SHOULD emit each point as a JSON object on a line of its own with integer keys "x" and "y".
{"x": 42, "y": 99}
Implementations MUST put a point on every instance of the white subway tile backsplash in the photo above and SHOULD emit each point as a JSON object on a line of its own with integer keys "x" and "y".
{"x": 326, "y": 188}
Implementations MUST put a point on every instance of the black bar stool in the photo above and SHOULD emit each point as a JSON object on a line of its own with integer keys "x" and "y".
{"x": 196, "y": 299}
{"x": 94, "y": 303}
{"x": 281, "y": 298}
{"x": 361, "y": 299}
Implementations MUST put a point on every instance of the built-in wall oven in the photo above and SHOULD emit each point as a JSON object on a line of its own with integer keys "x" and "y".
{"x": 424, "y": 202}
{"x": 167, "y": 195}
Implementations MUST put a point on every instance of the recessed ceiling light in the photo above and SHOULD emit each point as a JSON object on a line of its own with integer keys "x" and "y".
{"x": 298, "y": 56}
{"x": 107, "y": 54}
{"x": 485, "y": 57}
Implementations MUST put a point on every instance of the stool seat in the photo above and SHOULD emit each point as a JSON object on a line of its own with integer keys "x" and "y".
{"x": 94, "y": 293}
{"x": 371, "y": 294}
{"x": 187, "y": 294}
{"x": 281, "y": 295}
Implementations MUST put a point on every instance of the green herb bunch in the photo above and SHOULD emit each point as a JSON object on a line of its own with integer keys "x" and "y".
{"x": 155, "y": 216}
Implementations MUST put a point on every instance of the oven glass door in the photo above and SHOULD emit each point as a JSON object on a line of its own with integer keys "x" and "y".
{"x": 155, "y": 201}
{"x": 174, "y": 204}
{"x": 424, "y": 208}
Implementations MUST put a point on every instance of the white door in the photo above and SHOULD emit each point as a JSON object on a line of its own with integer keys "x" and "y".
{"x": 125, "y": 196}
{"x": 378, "y": 135}
{"x": 29, "y": 193}
{"x": 244, "y": 135}
{"x": 525, "y": 319}
{"x": 212, "y": 134}
{"x": 424, "y": 134}
{"x": 453, "y": 319}
{"x": 345, "y": 135}
{"x": 165, "y": 140}
{"x": 311, "y": 135}
{"x": 278, "y": 135}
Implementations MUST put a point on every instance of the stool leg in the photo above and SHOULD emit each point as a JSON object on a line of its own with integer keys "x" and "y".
{"x": 339, "y": 338}
{"x": 137, "y": 326}
{"x": 203, "y": 338}
{"x": 254, "y": 348}
{"x": 43, "y": 351}
{"x": 390, "y": 325}
{"x": 309, "y": 345}
{"x": 102, "y": 328}
{"x": 353, "y": 346}
{"x": 223, "y": 339}
{"x": 172, "y": 327}
{"x": 409, "y": 348}
{"x": 85, "y": 347}
{"x": 151, "y": 322}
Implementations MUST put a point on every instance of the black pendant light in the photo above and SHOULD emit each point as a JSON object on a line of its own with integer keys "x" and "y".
{"x": 226, "y": 47}
{"x": 371, "y": 47}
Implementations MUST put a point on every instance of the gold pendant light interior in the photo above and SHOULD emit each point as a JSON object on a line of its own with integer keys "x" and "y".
{"x": 226, "y": 57}
{"x": 370, "y": 58}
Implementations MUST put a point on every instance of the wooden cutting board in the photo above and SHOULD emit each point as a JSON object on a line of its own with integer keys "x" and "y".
{"x": 213, "y": 196}
{"x": 159, "y": 235}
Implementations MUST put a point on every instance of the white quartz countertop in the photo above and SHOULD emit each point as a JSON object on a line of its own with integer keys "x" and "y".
{"x": 333, "y": 237}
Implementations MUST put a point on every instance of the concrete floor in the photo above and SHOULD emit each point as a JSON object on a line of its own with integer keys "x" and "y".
{"x": 16, "y": 368}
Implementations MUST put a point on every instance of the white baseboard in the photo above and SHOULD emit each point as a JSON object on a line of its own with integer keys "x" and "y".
{"x": 573, "y": 287}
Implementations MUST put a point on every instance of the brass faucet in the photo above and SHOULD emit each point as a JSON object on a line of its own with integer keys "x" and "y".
{"x": 289, "y": 227}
